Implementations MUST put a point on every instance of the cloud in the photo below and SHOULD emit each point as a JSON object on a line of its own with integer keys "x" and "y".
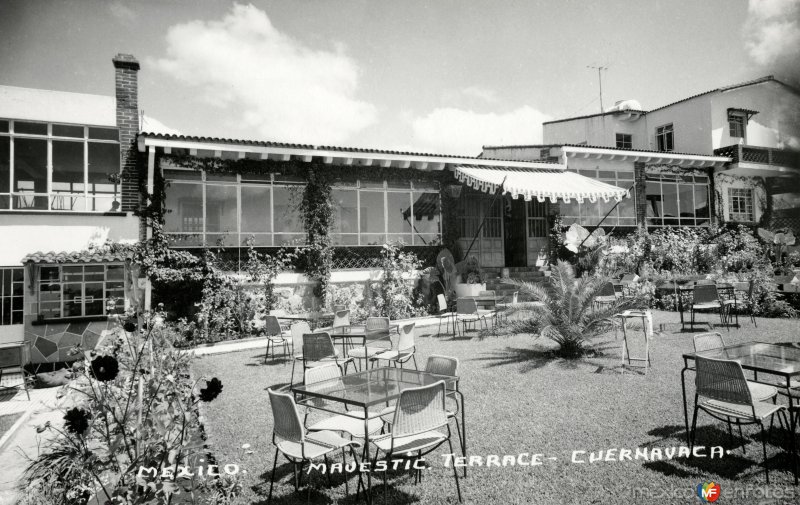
{"x": 465, "y": 132}
{"x": 266, "y": 82}
{"x": 122, "y": 12}
{"x": 772, "y": 31}
{"x": 153, "y": 125}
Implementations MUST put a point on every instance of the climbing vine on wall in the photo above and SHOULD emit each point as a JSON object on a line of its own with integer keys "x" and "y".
{"x": 757, "y": 184}
{"x": 316, "y": 208}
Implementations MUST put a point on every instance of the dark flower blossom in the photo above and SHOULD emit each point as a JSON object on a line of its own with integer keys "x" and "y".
{"x": 76, "y": 421}
{"x": 129, "y": 326}
{"x": 212, "y": 390}
{"x": 105, "y": 368}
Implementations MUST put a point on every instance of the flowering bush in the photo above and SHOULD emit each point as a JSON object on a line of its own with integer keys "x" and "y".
{"x": 352, "y": 297}
{"x": 134, "y": 406}
{"x": 395, "y": 296}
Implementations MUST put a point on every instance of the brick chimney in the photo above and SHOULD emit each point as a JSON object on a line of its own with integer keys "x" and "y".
{"x": 127, "y": 94}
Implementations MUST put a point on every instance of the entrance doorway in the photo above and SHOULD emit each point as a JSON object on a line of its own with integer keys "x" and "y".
{"x": 515, "y": 232}
{"x": 536, "y": 233}
{"x": 473, "y": 207}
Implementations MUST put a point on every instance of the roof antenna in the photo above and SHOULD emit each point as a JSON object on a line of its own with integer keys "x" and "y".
{"x": 600, "y": 80}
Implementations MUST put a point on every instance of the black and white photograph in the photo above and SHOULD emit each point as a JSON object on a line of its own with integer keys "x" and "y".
{"x": 423, "y": 252}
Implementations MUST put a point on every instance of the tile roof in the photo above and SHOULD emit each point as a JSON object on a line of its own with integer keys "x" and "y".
{"x": 610, "y": 148}
{"x": 75, "y": 257}
{"x": 607, "y": 113}
{"x": 219, "y": 140}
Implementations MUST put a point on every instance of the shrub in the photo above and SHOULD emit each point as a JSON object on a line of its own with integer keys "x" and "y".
{"x": 396, "y": 296}
{"x": 353, "y": 297}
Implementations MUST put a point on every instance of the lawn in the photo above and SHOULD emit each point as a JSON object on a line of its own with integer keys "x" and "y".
{"x": 7, "y": 421}
{"x": 519, "y": 399}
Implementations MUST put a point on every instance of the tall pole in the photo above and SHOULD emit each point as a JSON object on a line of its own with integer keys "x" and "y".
{"x": 600, "y": 80}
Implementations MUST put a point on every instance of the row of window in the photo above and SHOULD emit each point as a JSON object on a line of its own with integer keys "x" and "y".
{"x": 673, "y": 200}
{"x": 588, "y": 213}
{"x": 47, "y": 166}
{"x": 665, "y": 139}
{"x": 205, "y": 209}
{"x": 11, "y": 296}
{"x": 80, "y": 290}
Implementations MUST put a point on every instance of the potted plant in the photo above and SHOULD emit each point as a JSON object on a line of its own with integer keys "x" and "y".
{"x": 472, "y": 280}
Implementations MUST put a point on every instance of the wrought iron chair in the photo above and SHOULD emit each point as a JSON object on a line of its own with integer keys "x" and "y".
{"x": 376, "y": 340}
{"x": 722, "y": 392}
{"x": 467, "y": 312}
{"x": 405, "y": 349}
{"x": 298, "y": 446}
{"x": 445, "y": 311}
{"x": 706, "y": 297}
{"x": 338, "y": 422}
{"x": 275, "y": 336}
{"x": 419, "y": 418}
{"x": 742, "y": 299}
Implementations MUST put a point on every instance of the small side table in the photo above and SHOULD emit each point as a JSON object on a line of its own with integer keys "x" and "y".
{"x": 647, "y": 328}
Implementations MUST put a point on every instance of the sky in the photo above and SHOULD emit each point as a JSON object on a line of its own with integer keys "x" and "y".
{"x": 443, "y": 76}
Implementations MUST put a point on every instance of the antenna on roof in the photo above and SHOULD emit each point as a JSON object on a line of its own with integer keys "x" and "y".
{"x": 600, "y": 80}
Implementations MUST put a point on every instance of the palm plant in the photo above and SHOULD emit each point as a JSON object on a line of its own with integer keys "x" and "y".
{"x": 566, "y": 312}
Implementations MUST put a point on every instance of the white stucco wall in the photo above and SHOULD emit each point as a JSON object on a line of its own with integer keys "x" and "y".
{"x": 722, "y": 184}
{"x": 57, "y": 106}
{"x": 23, "y": 234}
{"x": 595, "y": 131}
{"x": 777, "y": 123}
{"x": 691, "y": 124}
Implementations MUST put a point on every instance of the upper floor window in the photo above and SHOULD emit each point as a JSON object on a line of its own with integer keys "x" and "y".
{"x": 737, "y": 124}
{"x": 624, "y": 141}
{"x": 58, "y": 167}
{"x": 740, "y": 205}
{"x": 11, "y": 282}
{"x": 664, "y": 138}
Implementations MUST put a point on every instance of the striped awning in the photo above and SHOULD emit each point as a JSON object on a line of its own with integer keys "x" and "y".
{"x": 541, "y": 184}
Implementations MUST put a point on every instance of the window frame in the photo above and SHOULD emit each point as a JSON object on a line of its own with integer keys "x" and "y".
{"x": 7, "y": 299}
{"x": 61, "y": 282}
{"x": 737, "y": 125}
{"x": 695, "y": 181}
{"x": 30, "y": 201}
{"x": 742, "y": 198}
{"x": 623, "y": 140}
{"x": 665, "y": 138}
{"x": 622, "y": 179}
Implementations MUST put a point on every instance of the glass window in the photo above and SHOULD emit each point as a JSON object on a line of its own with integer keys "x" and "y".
{"x": 675, "y": 200}
{"x": 104, "y": 134}
{"x": 11, "y": 296}
{"x": 664, "y": 137}
{"x": 68, "y": 166}
{"x": 740, "y": 205}
{"x": 4, "y": 125}
{"x": 184, "y": 208}
{"x": 427, "y": 217}
{"x": 221, "y": 209}
{"x": 30, "y": 169}
{"x": 30, "y": 128}
{"x": 624, "y": 140}
{"x": 5, "y": 164}
{"x": 686, "y": 203}
{"x": 736, "y": 124}
{"x": 256, "y": 209}
{"x": 80, "y": 290}
{"x": 61, "y": 130}
{"x": 399, "y": 216}
{"x": 288, "y": 221}
{"x": 372, "y": 225}
{"x": 345, "y": 217}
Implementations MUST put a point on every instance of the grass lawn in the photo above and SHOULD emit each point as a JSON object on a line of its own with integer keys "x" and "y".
{"x": 521, "y": 400}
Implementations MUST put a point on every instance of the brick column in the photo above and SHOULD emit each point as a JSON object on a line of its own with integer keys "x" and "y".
{"x": 126, "y": 77}
{"x": 640, "y": 193}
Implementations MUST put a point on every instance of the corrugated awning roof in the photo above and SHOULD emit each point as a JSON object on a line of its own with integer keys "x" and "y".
{"x": 75, "y": 257}
{"x": 538, "y": 184}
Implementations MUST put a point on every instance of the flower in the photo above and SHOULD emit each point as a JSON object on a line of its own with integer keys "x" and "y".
{"x": 212, "y": 390}
{"x": 76, "y": 420}
{"x": 104, "y": 368}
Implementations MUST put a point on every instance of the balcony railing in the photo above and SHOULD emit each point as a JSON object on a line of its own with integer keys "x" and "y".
{"x": 755, "y": 154}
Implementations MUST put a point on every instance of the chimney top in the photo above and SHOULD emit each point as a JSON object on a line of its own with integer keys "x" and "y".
{"x": 126, "y": 61}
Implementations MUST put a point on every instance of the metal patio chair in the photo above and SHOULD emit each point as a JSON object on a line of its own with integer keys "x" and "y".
{"x": 318, "y": 349}
{"x": 417, "y": 428}
{"x": 12, "y": 368}
{"x": 706, "y": 297}
{"x": 338, "y": 422}
{"x": 275, "y": 336}
{"x": 298, "y": 446}
{"x": 722, "y": 393}
{"x": 405, "y": 349}
{"x": 467, "y": 312}
{"x": 742, "y": 299}
{"x": 376, "y": 340}
{"x": 607, "y": 295}
{"x": 445, "y": 312}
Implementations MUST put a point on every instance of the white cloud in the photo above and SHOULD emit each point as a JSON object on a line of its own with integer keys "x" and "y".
{"x": 122, "y": 12}
{"x": 487, "y": 95}
{"x": 153, "y": 125}
{"x": 772, "y": 30}
{"x": 266, "y": 81}
{"x": 458, "y": 131}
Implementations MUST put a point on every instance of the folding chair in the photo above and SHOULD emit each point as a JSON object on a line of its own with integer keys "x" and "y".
{"x": 445, "y": 312}
{"x": 706, "y": 297}
{"x": 467, "y": 312}
{"x": 275, "y": 336}
{"x": 376, "y": 340}
{"x": 318, "y": 349}
{"x": 405, "y": 349}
